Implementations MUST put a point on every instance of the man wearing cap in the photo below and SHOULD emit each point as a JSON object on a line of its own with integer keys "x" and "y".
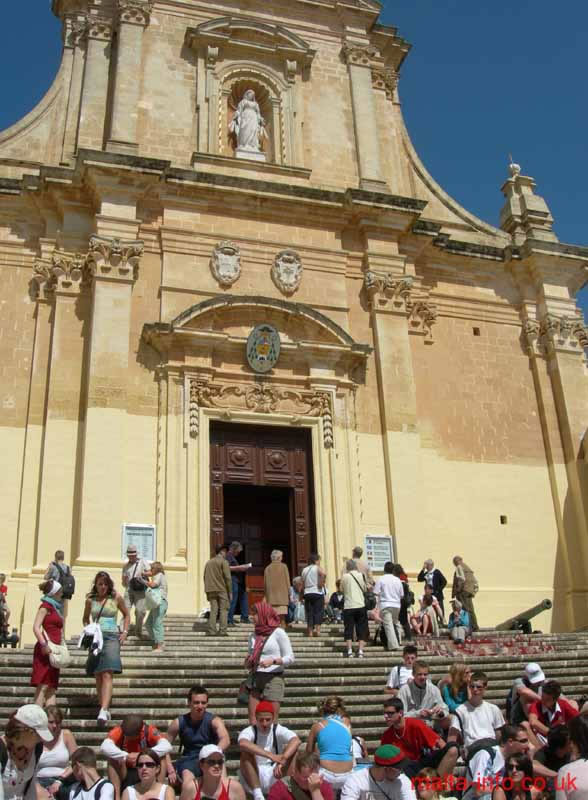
{"x": 135, "y": 585}
{"x": 267, "y": 749}
{"x": 384, "y": 778}
{"x": 212, "y": 763}
{"x": 25, "y": 732}
{"x": 421, "y": 746}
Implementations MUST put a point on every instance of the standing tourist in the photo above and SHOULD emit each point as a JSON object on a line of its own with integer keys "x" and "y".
{"x": 355, "y": 619}
{"x": 276, "y": 584}
{"x": 54, "y": 773}
{"x": 20, "y": 750}
{"x": 198, "y": 730}
{"x": 154, "y": 624}
{"x": 217, "y": 585}
{"x": 407, "y": 601}
{"x": 390, "y": 593}
{"x": 465, "y": 587}
{"x": 332, "y": 738}
{"x": 270, "y": 652}
{"x": 102, "y": 606}
{"x": 362, "y": 566}
{"x": 59, "y": 571}
{"x": 313, "y": 578}
{"x": 149, "y": 786}
{"x": 434, "y": 578}
{"x": 135, "y": 584}
{"x": 238, "y": 588}
{"x": 47, "y": 627}
{"x": 4, "y": 607}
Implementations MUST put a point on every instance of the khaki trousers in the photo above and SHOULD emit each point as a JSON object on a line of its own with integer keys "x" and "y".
{"x": 219, "y": 606}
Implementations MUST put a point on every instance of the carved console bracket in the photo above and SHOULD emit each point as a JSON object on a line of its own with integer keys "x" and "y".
{"x": 554, "y": 334}
{"x": 397, "y": 295}
{"x": 262, "y": 398}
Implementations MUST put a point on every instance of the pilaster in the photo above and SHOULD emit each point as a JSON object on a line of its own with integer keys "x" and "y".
{"x": 95, "y": 88}
{"x": 133, "y": 18}
{"x": 360, "y": 62}
{"x": 113, "y": 264}
{"x": 75, "y": 40}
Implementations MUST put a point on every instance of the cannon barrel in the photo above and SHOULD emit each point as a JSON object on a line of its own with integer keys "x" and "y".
{"x": 515, "y": 622}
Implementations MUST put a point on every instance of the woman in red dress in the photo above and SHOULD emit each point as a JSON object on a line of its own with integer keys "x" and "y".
{"x": 48, "y": 625}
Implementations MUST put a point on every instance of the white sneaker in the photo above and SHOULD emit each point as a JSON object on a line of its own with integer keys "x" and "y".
{"x": 360, "y": 654}
{"x": 104, "y": 715}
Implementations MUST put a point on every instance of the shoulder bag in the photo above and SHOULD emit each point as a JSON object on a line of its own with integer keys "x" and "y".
{"x": 136, "y": 584}
{"x": 59, "y": 655}
{"x": 153, "y": 598}
{"x": 369, "y": 598}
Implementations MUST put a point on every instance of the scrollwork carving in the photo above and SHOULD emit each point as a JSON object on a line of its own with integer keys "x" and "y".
{"x": 562, "y": 333}
{"x": 422, "y": 316}
{"x": 225, "y": 263}
{"x": 385, "y": 79}
{"x": 287, "y": 271}
{"x": 99, "y": 28}
{"x": 263, "y": 398}
{"x": 65, "y": 271}
{"x": 115, "y": 258}
{"x": 390, "y": 286}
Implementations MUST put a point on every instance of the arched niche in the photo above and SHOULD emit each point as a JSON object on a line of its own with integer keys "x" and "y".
{"x": 269, "y": 104}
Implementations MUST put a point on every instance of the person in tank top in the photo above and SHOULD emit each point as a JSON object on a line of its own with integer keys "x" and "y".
{"x": 210, "y": 786}
{"x": 332, "y": 738}
{"x": 54, "y": 770}
{"x": 149, "y": 787}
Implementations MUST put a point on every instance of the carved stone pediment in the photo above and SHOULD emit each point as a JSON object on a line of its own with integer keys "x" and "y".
{"x": 250, "y": 34}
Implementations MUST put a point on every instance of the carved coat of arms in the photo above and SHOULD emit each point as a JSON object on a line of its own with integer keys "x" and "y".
{"x": 287, "y": 271}
{"x": 226, "y": 263}
{"x": 263, "y": 348}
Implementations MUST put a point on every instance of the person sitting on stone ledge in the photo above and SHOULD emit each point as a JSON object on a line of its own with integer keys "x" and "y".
{"x": 459, "y": 624}
{"x": 332, "y": 738}
{"x": 150, "y": 785}
{"x": 419, "y": 743}
{"x": 90, "y": 785}
{"x": 401, "y": 673}
{"x": 476, "y": 719}
{"x": 422, "y": 699}
{"x": 385, "y": 778}
{"x": 552, "y": 710}
{"x": 305, "y": 783}
{"x": 267, "y": 748}
{"x": 196, "y": 729}
{"x": 123, "y": 745}
{"x": 210, "y": 786}
{"x": 426, "y": 621}
{"x": 336, "y": 603}
{"x": 525, "y": 691}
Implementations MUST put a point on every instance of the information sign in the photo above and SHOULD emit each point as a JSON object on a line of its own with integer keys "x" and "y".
{"x": 143, "y": 536}
{"x": 378, "y": 550}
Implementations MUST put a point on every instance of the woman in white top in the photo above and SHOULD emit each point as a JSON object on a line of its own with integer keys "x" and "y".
{"x": 270, "y": 652}
{"x": 313, "y": 577}
{"x": 54, "y": 773}
{"x": 148, "y": 788}
{"x": 154, "y": 624}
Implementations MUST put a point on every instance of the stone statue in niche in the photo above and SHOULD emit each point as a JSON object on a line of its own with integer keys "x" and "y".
{"x": 248, "y": 128}
{"x": 287, "y": 271}
{"x": 226, "y": 263}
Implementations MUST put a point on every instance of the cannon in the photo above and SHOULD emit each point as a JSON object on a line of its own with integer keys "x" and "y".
{"x": 521, "y": 622}
{"x": 8, "y": 639}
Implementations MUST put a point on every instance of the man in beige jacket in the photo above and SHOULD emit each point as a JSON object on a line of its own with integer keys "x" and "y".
{"x": 217, "y": 585}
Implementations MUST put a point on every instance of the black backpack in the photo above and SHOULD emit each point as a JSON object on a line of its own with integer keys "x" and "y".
{"x": 67, "y": 581}
{"x": 97, "y": 789}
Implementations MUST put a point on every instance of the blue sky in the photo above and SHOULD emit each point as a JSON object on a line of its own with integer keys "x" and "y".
{"x": 485, "y": 78}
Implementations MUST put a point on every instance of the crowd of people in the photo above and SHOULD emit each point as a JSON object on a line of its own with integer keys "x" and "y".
{"x": 436, "y": 740}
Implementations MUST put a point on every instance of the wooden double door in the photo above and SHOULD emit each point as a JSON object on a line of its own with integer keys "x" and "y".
{"x": 261, "y": 495}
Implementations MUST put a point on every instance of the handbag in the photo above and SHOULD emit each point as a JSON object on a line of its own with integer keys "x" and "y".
{"x": 369, "y": 597}
{"x": 245, "y": 689}
{"x": 59, "y": 655}
{"x": 153, "y": 598}
{"x": 136, "y": 584}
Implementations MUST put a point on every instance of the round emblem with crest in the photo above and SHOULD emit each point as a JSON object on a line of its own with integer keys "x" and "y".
{"x": 263, "y": 348}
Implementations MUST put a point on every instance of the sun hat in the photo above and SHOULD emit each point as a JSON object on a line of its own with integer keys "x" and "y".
{"x": 34, "y": 717}
{"x": 208, "y": 750}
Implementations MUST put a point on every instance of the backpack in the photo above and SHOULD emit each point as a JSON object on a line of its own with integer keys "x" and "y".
{"x": 97, "y": 789}
{"x": 4, "y": 762}
{"x": 514, "y": 708}
{"x": 274, "y": 738}
{"x": 67, "y": 581}
{"x": 482, "y": 744}
{"x": 408, "y": 599}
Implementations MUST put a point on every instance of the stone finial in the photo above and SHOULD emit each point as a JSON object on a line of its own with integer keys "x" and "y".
{"x": 525, "y": 215}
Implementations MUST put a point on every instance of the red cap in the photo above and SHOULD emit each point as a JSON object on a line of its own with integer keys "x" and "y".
{"x": 265, "y": 707}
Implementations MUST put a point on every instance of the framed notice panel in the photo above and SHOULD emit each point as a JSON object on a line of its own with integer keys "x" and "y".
{"x": 143, "y": 536}
{"x": 378, "y": 550}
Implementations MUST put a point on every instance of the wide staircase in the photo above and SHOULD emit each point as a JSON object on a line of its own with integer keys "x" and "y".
{"x": 156, "y": 684}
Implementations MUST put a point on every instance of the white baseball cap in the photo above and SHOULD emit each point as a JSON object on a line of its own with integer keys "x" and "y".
{"x": 534, "y": 673}
{"x": 208, "y": 750}
{"x": 34, "y": 717}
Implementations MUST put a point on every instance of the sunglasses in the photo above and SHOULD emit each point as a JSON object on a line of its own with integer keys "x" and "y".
{"x": 146, "y": 765}
{"x": 391, "y": 713}
{"x": 214, "y": 762}
{"x": 477, "y": 686}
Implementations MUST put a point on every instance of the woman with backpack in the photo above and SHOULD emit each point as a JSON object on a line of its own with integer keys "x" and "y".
{"x": 48, "y": 628}
{"x": 20, "y": 751}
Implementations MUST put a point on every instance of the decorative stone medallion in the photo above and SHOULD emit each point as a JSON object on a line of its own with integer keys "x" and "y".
{"x": 226, "y": 263}
{"x": 263, "y": 348}
{"x": 287, "y": 271}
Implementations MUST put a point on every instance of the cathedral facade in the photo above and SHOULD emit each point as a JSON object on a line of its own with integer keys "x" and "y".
{"x": 237, "y": 306}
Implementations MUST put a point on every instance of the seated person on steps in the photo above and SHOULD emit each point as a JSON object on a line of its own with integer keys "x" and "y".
{"x": 422, "y": 699}
{"x": 401, "y": 673}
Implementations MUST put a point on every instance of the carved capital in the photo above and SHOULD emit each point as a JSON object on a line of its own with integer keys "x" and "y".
{"x": 563, "y": 334}
{"x": 385, "y": 79}
{"x": 75, "y": 30}
{"x": 66, "y": 273}
{"x": 422, "y": 315}
{"x": 100, "y": 29}
{"x": 135, "y": 12}
{"x": 388, "y": 289}
{"x": 359, "y": 56}
{"x": 531, "y": 333}
{"x": 262, "y": 398}
{"x": 114, "y": 259}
